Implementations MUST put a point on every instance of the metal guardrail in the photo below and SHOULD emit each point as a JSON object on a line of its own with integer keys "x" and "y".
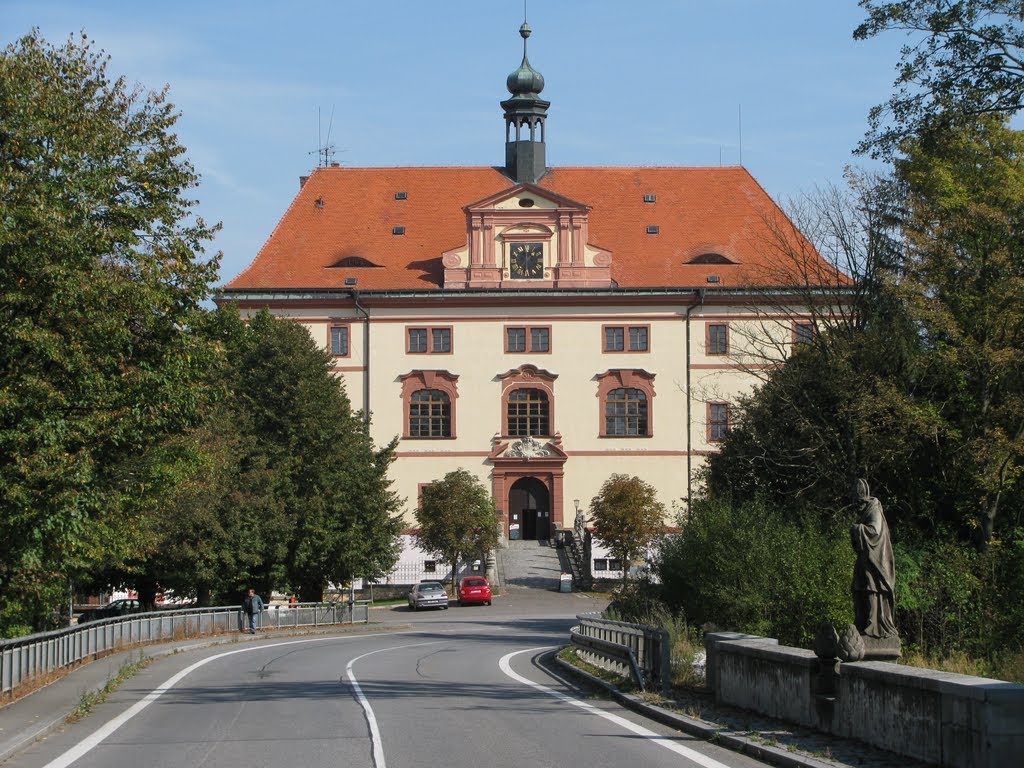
{"x": 640, "y": 651}
{"x": 24, "y": 659}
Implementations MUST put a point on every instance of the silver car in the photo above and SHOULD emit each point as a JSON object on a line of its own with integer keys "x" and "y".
{"x": 428, "y": 594}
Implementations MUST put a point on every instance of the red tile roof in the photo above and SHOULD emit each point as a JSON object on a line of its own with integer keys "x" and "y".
{"x": 351, "y": 212}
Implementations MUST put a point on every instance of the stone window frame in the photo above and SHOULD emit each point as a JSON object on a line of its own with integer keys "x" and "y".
{"x": 528, "y": 331}
{"x": 624, "y": 378}
{"x": 709, "y": 339}
{"x": 714, "y": 425}
{"x": 429, "y": 330}
{"x": 418, "y": 380}
{"x": 528, "y": 377}
{"x": 799, "y": 337}
{"x": 626, "y": 339}
{"x": 347, "y": 327}
{"x": 438, "y": 416}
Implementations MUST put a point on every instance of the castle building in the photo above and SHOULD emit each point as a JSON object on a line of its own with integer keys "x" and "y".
{"x": 540, "y": 327}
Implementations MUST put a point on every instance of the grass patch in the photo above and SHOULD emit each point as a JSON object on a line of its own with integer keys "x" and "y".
{"x": 91, "y": 699}
{"x": 624, "y": 684}
{"x": 1007, "y": 666}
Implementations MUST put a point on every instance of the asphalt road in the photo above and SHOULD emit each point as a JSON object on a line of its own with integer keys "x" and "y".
{"x": 461, "y": 688}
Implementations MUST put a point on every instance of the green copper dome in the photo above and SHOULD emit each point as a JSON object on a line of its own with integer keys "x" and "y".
{"x": 525, "y": 81}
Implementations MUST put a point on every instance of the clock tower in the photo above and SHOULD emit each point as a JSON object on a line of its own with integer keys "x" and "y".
{"x": 525, "y": 112}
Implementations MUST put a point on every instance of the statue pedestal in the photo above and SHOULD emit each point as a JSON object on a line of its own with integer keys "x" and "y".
{"x": 881, "y": 649}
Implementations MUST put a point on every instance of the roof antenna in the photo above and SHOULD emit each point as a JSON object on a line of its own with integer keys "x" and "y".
{"x": 739, "y": 117}
{"x": 324, "y": 149}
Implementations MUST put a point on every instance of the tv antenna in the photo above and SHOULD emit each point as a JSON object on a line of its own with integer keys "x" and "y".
{"x": 324, "y": 151}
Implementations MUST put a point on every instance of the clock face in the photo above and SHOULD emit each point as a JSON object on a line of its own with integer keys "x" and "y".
{"x": 526, "y": 261}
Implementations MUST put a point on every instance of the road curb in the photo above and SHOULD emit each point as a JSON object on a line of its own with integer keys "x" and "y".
{"x": 715, "y": 734}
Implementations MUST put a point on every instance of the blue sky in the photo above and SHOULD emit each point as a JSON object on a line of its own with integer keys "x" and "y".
{"x": 649, "y": 82}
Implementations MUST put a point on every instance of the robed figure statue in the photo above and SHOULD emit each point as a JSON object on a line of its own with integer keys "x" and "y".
{"x": 874, "y": 575}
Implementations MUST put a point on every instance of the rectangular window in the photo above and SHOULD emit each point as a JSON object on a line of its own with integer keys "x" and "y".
{"x": 515, "y": 339}
{"x": 430, "y": 414}
{"x": 528, "y": 339}
{"x": 540, "y": 339}
{"x": 339, "y": 340}
{"x": 441, "y": 340}
{"x": 627, "y": 338}
{"x": 600, "y": 564}
{"x": 614, "y": 339}
{"x": 718, "y": 339}
{"x": 422, "y": 341}
{"x": 430, "y": 566}
{"x": 718, "y": 421}
{"x": 417, "y": 340}
{"x": 614, "y": 565}
{"x": 803, "y": 333}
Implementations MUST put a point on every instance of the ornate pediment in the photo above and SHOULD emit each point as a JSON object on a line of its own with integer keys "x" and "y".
{"x": 551, "y": 228}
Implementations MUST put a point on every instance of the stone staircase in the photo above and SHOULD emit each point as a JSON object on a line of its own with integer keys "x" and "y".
{"x": 530, "y": 564}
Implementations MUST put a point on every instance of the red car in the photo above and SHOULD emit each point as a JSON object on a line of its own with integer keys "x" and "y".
{"x": 474, "y": 589}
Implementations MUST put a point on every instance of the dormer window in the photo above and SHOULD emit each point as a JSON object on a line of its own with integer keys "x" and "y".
{"x": 710, "y": 258}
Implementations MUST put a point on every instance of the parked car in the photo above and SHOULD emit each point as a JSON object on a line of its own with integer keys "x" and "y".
{"x": 428, "y": 594}
{"x": 474, "y": 589}
{"x": 116, "y": 608}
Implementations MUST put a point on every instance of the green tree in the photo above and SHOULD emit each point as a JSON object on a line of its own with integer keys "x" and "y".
{"x": 215, "y": 523}
{"x": 963, "y": 282}
{"x": 966, "y": 59}
{"x": 457, "y": 519}
{"x": 329, "y": 478}
{"x": 627, "y": 518}
{"x": 101, "y": 279}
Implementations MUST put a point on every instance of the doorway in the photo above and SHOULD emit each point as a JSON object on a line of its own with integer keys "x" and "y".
{"x": 529, "y": 510}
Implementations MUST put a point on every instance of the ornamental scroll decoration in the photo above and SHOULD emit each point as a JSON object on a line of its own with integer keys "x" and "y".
{"x": 528, "y": 448}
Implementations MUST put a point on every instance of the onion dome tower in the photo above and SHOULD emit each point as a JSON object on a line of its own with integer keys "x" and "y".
{"x": 525, "y": 112}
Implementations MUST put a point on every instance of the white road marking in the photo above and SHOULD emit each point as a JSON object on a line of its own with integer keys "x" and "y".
{"x": 371, "y": 720}
{"x": 91, "y": 741}
{"x": 703, "y": 760}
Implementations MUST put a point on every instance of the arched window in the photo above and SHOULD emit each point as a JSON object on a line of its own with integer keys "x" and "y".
{"x": 625, "y": 413}
{"x": 430, "y": 414}
{"x": 528, "y": 413}
{"x": 627, "y": 407}
{"x": 429, "y": 399}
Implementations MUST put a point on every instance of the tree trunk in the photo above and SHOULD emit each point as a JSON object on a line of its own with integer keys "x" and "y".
{"x": 146, "y": 589}
{"x": 311, "y": 592}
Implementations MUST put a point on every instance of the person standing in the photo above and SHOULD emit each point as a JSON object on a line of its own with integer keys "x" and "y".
{"x": 253, "y": 607}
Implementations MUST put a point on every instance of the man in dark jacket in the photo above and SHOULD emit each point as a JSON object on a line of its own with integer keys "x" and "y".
{"x": 253, "y": 607}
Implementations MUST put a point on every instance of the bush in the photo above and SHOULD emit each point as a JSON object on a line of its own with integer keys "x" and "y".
{"x": 748, "y": 568}
{"x": 640, "y": 603}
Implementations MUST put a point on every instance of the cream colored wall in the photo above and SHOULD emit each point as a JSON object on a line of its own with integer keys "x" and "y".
{"x": 576, "y": 357}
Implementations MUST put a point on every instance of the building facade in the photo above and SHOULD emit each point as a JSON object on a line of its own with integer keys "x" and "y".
{"x": 541, "y": 327}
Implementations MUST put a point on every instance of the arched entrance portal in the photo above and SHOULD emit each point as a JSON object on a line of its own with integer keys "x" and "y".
{"x": 529, "y": 510}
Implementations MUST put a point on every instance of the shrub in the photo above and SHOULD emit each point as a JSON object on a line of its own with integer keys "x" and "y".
{"x": 748, "y": 568}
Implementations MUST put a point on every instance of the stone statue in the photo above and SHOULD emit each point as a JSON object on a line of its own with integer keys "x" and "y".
{"x": 874, "y": 575}
{"x": 579, "y": 524}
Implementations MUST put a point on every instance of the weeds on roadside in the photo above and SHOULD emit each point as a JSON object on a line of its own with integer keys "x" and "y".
{"x": 91, "y": 699}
